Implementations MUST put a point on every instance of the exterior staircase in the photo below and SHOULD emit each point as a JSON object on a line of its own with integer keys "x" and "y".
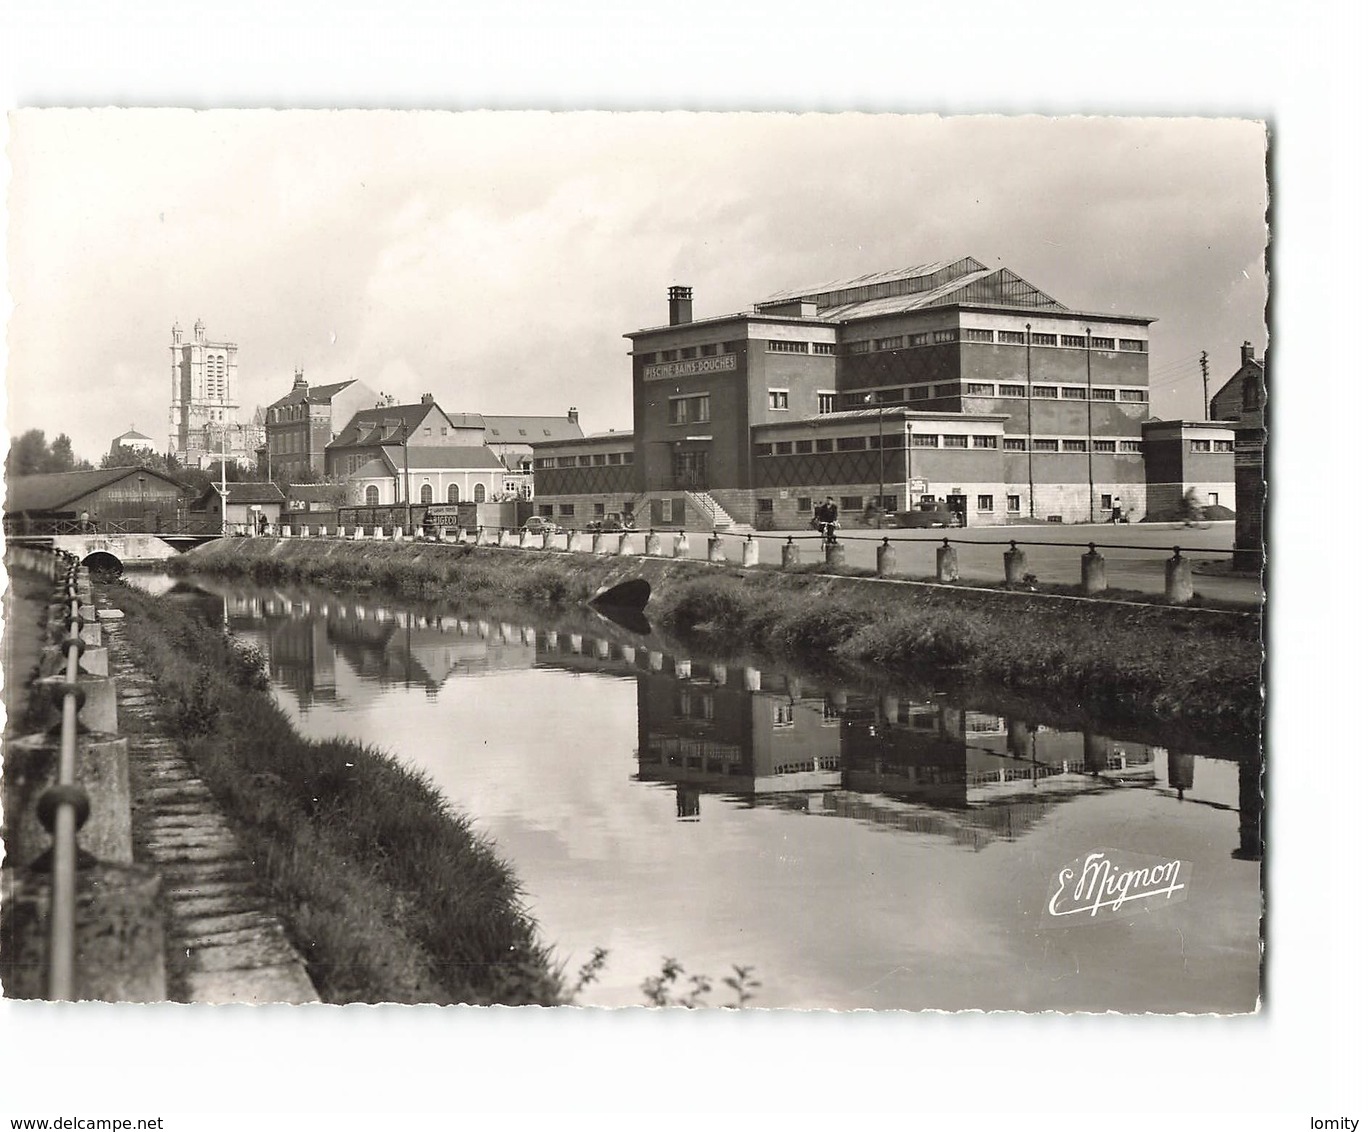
{"x": 710, "y": 506}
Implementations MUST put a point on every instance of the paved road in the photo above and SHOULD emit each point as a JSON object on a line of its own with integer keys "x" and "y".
{"x": 1140, "y": 567}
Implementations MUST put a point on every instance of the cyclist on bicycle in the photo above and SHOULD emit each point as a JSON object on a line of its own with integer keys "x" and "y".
{"x": 825, "y": 519}
{"x": 1193, "y": 509}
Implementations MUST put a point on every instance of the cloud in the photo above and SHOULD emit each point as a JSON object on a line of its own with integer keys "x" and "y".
{"x": 496, "y": 260}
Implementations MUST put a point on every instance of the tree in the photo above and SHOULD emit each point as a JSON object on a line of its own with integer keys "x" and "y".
{"x": 31, "y": 455}
{"x": 28, "y": 454}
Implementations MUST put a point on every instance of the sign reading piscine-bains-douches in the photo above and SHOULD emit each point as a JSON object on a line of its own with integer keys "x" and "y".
{"x": 691, "y": 368}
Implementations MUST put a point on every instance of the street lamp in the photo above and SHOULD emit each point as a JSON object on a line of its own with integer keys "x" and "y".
{"x": 879, "y": 458}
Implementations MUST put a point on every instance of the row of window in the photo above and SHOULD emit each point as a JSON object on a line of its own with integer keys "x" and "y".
{"x": 984, "y": 504}
{"x": 784, "y": 346}
{"x": 999, "y": 337}
{"x": 1133, "y": 396}
{"x": 568, "y": 510}
{"x": 945, "y": 441}
{"x": 591, "y": 460}
{"x": 1210, "y": 446}
{"x": 1072, "y": 444}
{"x": 373, "y": 494}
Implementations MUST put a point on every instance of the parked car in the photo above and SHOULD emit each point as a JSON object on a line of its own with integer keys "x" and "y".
{"x": 924, "y": 515}
{"x": 613, "y": 521}
{"x": 540, "y": 525}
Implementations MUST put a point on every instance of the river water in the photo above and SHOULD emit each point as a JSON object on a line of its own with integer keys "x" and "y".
{"x": 872, "y": 847}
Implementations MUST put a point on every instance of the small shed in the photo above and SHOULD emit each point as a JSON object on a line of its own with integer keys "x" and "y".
{"x": 246, "y": 507}
{"x": 111, "y": 500}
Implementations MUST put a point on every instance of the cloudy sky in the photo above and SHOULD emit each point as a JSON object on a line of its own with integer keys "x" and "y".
{"x": 496, "y": 259}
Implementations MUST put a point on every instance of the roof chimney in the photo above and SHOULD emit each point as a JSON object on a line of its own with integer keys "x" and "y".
{"x": 1248, "y": 354}
{"x": 573, "y": 415}
{"x": 426, "y": 399}
{"x": 680, "y": 304}
{"x": 300, "y": 382}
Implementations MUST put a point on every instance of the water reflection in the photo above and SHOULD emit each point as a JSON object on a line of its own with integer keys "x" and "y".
{"x": 860, "y": 846}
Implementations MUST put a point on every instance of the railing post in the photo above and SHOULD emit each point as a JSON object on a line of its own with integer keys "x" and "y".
{"x": 885, "y": 561}
{"x": 947, "y": 569}
{"x": 751, "y": 552}
{"x": 1015, "y": 564}
{"x": 681, "y": 546}
{"x": 835, "y": 555}
{"x": 1093, "y": 575}
{"x": 1179, "y": 580}
{"x": 624, "y": 544}
{"x": 653, "y": 546}
{"x": 789, "y": 554}
{"x": 716, "y": 552}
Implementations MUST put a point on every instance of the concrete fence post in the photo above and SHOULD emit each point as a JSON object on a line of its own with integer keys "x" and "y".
{"x": 835, "y": 555}
{"x": 681, "y": 546}
{"x": 717, "y": 554}
{"x": 285, "y": 530}
{"x": 789, "y": 555}
{"x": 526, "y": 539}
{"x": 1179, "y": 580}
{"x": 378, "y": 533}
{"x": 101, "y": 771}
{"x": 652, "y": 548}
{"x": 751, "y": 552}
{"x": 100, "y": 711}
{"x": 575, "y": 541}
{"x": 599, "y": 543}
{"x": 885, "y": 561}
{"x": 119, "y": 946}
{"x": 1015, "y": 564}
{"x": 625, "y": 545}
{"x": 1093, "y": 574}
{"x": 548, "y": 540}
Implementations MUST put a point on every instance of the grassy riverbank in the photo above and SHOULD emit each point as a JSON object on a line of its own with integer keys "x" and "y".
{"x": 387, "y": 893}
{"x": 1131, "y": 663}
{"x": 1126, "y": 663}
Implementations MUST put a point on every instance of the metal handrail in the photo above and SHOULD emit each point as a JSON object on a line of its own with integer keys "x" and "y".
{"x": 63, "y": 806}
{"x": 62, "y": 921}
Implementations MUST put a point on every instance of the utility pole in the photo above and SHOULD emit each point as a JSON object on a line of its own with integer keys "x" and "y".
{"x": 223, "y": 480}
{"x": 1089, "y": 415}
{"x": 1203, "y": 367}
{"x": 1032, "y": 495}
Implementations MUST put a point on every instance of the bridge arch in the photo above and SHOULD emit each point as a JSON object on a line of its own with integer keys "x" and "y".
{"x": 103, "y": 562}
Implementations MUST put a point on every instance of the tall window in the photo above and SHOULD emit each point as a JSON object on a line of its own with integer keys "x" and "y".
{"x": 779, "y": 398}
{"x": 373, "y": 495}
{"x": 479, "y": 494}
{"x": 453, "y": 493}
{"x": 426, "y": 493}
{"x": 825, "y": 402}
{"x": 690, "y": 410}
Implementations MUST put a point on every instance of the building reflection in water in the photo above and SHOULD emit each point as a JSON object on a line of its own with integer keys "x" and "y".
{"x": 762, "y": 738}
{"x": 306, "y": 636}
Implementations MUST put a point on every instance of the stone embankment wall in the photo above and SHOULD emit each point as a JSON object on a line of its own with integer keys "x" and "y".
{"x": 366, "y": 560}
{"x": 165, "y": 905}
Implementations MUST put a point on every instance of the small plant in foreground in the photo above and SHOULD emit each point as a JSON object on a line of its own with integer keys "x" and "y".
{"x": 662, "y": 989}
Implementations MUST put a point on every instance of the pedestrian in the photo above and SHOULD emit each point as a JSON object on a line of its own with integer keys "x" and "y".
{"x": 85, "y": 521}
{"x": 1117, "y": 514}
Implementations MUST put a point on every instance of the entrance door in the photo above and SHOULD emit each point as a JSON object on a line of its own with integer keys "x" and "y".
{"x": 690, "y": 469}
{"x": 956, "y": 504}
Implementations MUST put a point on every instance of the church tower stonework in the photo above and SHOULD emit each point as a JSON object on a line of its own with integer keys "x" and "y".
{"x": 204, "y": 398}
